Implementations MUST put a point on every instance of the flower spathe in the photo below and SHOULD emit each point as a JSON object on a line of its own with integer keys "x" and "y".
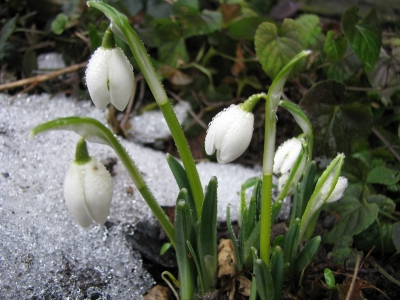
{"x": 88, "y": 192}
{"x": 109, "y": 78}
{"x": 229, "y": 133}
{"x": 338, "y": 191}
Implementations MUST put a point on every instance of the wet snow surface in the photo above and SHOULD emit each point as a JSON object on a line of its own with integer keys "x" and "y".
{"x": 43, "y": 252}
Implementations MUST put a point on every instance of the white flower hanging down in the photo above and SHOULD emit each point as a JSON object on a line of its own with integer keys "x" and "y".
{"x": 109, "y": 76}
{"x": 229, "y": 134}
{"x": 286, "y": 155}
{"x": 88, "y": 189}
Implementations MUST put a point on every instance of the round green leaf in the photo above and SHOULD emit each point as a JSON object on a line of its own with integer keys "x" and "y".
{"x": 276, "y": 48}
{"x": 334, "y": 48}
{"x": 59, "y": 23}
{"x": 364, "y": 35}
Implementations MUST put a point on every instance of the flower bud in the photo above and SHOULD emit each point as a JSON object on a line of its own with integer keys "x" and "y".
{"x": 109, "y": 76}
{"x": 338, "y": 191}
{"x": 229, "y": 133}
{"x": 88, "y": 189}
{"x": 286, "y": 156}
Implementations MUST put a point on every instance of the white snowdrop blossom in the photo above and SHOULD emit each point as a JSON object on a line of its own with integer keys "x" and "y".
{"x": 88, "y": 192}
{"x": 229, "y": 133}
{"x": 286, "y": 156}
{"x": 109, "y": 78}
{"x": 338, "y": 191}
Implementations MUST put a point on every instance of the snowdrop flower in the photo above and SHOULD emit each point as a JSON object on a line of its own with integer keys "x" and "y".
{"x": 229, "y": 133}
{"x": 286, "y": 156}
{"x": 87, "y": 188}
{"x": 109, "y": 75}
{"x": 338, "y": 191}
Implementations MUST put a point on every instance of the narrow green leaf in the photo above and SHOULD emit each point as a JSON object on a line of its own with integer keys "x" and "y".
{"x": 276, "y": 48}
{"x": 277, "y": 267}
{"x": 291, "y": 244}
{"x": 8, "y": 29}
{"x": 183, "y": 233}
{"x": 307, "y": 254}
{"x": 335, "y": 48}
{"x": 364, "y": 35}
{"x": 264, "y": 280}
{"x": 207, "y": 237}
{"x": 252, "y": 242}
{"x": 238, "y": 256}
{"x": 307, "y": 186}
{"x": 183, "y": 182}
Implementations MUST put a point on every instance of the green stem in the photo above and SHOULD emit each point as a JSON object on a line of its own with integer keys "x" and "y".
{"x": 185, "y": 154}
{"x": 266, "y": 212}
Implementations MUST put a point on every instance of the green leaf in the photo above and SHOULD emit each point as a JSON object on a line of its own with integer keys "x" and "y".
{"x": 307, "y": 254}
{"x": 396, "y": 235}
{"x": 330, "y": 279}
{"x": 185, "y": 6}
{"x": 386, "y": 75}
{"x": 345, "y": 68}
{"x": 246, "y": 28}
{"x": 378, "y": 235}
{"x": 59, "y": 23}
{"x": 339, "y": 125}
{"x": 311, "y": 28}
{"x": 343, "y": 251}
{"x": 8, "y": 29}
{"x": 383, "y": 175}
{"x": 291, "y": 244}
{"x": 238, "y": 256}
{"x": 277, "y": 267}
{"x": 276, "y": 48}
{"x": 364, "y": 35}
{"x": 384, "y": 203}
{"x": 264, "y": 280}
{"x": 334, "y": 48}
{"x": 355, "y": 216}
{"x": 173, "y": 53}
{"x": 94, "y": 37}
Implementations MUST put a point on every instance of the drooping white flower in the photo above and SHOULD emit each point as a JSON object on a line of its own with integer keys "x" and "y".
{"x": 229, "y": 134}
{"x": 109, "y": 78}
{"x": 88, "y": 192}
{"x": 338, "y": 191}
{"x": 286, "y": 155}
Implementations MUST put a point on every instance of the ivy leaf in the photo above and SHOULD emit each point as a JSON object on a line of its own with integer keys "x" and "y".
{"x": 386, "y": 75}
{"x": 334, "y": 48}
{"x": 344, "y": 68}
{"x": 364, "y": 35}
{"x": 173, "y": 53}
{"x": 385, "y": 204}
{"x": 383, "y": 175}
{"x": 378, "y": 236}
{"x": 311, "y": 28}
{"x": 355, "y": 216}
{"x": 342, "y": 250}
{"x": 338, "y": 124}
{"x": 276, "y": 48}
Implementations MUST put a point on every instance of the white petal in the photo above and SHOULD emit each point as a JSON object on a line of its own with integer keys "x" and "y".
{"x": 209, "y": 141}
{"x": 238, "y": 136}
{"x": 120, "y": 73}
{"x": 74, "y": 198}
{"x": 282, "y": 153}
{"x": 98, "y": 190}
{"x": 97, "y": 77}
{"x": 338, "y": 191}
{"x": 282, "y": 181}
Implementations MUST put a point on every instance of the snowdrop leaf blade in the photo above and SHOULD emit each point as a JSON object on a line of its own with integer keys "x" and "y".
{"x": 264, "y": 281}
{"x": 307, "y": 254}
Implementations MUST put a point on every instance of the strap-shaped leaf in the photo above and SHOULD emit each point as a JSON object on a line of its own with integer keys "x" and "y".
{"x": 264, "y": 280}
{"x": 183, "y": 182}
{"x": 364, "y": 35}
{"x": 291, "y": 244}
{"x": 277, "y": 267}
{"x": 307, "y": 253}
{"x": 183, "y": 233}
{"x": 238, "y": 256}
